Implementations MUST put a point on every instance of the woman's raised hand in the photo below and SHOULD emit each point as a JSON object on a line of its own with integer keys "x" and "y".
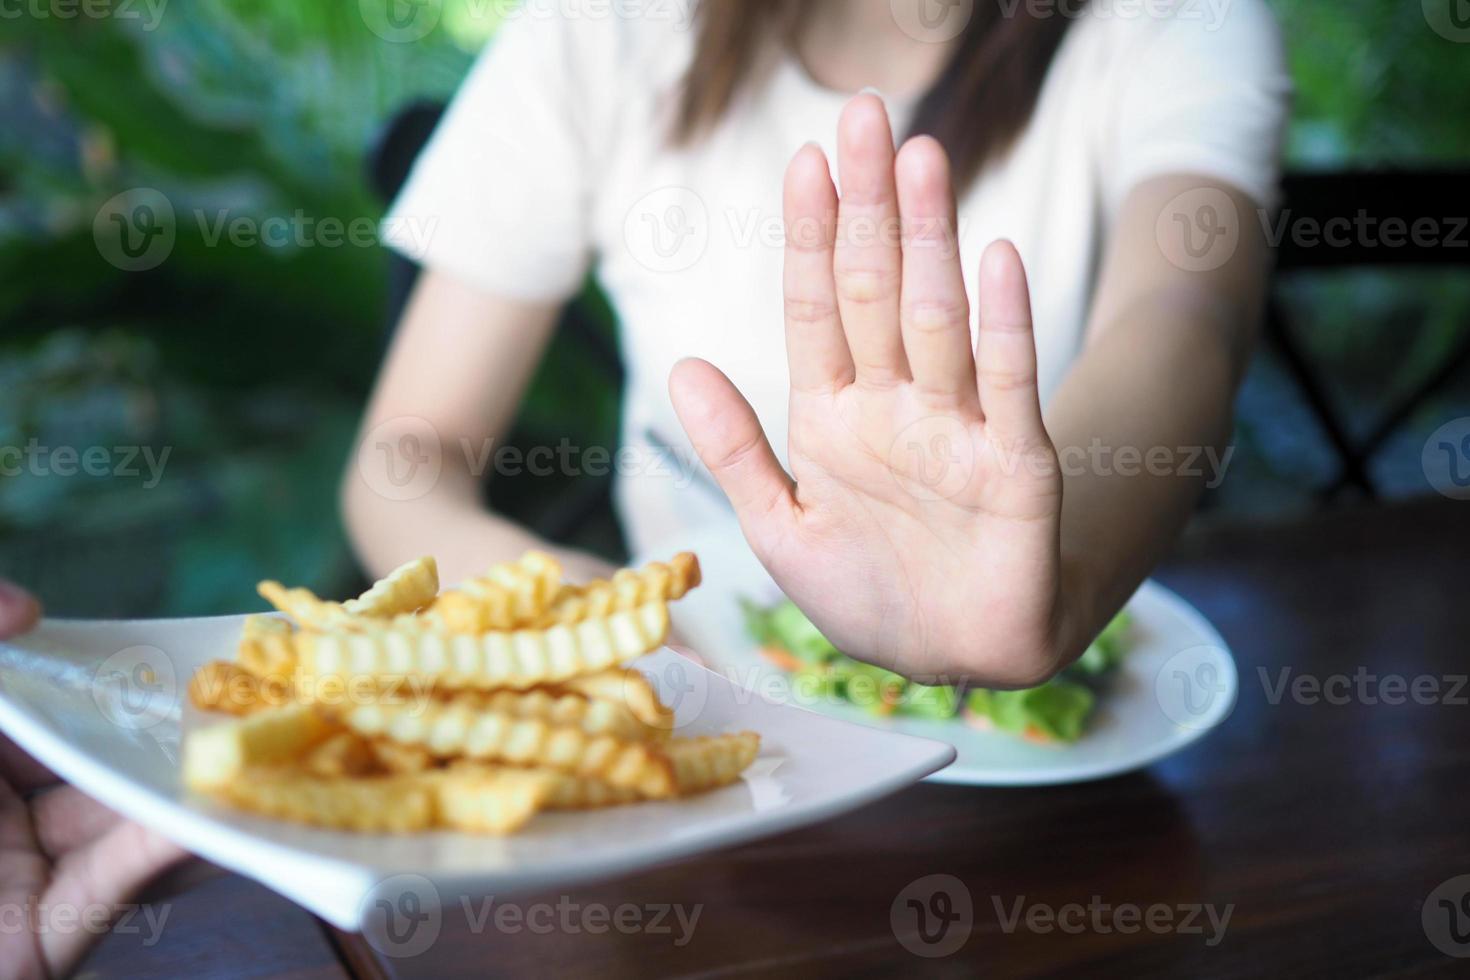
{"x": 921, "y": 529}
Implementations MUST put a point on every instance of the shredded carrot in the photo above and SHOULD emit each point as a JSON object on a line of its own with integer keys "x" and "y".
{"x": 781, "y": 658}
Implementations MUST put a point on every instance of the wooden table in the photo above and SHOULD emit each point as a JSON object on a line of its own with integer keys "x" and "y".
{"x": 1321, "y": 826}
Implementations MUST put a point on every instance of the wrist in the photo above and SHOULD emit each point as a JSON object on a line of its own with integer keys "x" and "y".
{"x": 1076, "y": 615}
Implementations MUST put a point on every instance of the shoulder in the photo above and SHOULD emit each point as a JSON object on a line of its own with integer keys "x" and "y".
{"x": 607, "y": 42}
{"x": 1241, "y": 35}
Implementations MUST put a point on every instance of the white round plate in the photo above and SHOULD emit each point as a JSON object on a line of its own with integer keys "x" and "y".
{"x": 1176, "y": 683}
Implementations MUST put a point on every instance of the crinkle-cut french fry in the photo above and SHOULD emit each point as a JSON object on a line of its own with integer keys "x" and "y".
{"x": 304, "y": 606}
{"x": 510, "y": 595}
{"x": 700, "y": 764}
{"x": 265, "y": 646}
{"x": 392, "y": 804}
{"x": 394, "y": 757}
{"x": 223, "y": 686}
{"x": 709, "y": 762}
{"x": 463, "y": 729}
{"x": 627, "y": 589}
{"x": 570, "y": 710}
{"x": 486, "y": 800}
{"x": 628, "y": 687}
{"x": 342, "y": 754}
{"x": 580, "y": 793}
{"x": 219, "y": 753}
{"x": 406, "y": 589}
{"x": 519, "y": 660}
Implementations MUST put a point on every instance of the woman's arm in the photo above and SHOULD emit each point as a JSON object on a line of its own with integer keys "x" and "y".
{"x": 1166, "y": 349}
{"x": 447, "y": 395}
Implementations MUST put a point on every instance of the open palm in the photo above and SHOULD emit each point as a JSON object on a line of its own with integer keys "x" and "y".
{"x": 919, "y": 526}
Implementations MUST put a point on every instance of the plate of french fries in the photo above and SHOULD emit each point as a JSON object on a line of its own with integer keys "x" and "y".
{"x": 511, "y": 732}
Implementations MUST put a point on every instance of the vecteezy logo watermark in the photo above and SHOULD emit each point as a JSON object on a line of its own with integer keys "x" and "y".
{"x": 933, "y": 916}
{"x": 402, "y": 916}
{"x": 1364, "y": 687}
{"x": 1073, "y": 918}
{"x": 401, "y": 459}
{"x": 667, "y": 230}
{"x": 1450, "y": 19}
{"x": 932, "y": 21}
{"x": 37, "y": 459}
{"x": 95, "y": 918}
{"x": 1446, "y": 917}
{"x": 933, "y": 458}
{"x": 1446, "y": 459}
{"x": 135, "y": 230}
{"x": 138, "y": 229}
{"x": 682, "y": 687}
{"x": 150, "y": 12}
{"x": 1199, "y": 230}
{"x": 136, "y": 688}
{"x": 1195, "y": 688}
{"x": 401, "y": 21}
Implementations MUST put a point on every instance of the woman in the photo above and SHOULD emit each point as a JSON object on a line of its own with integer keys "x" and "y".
{"x": 899, "y": 480}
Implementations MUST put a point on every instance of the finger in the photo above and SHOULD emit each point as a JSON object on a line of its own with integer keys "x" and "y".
{"x": 815, "y": 346}
{"x": 935, "y": 310}
{"x": 1005, "y": 356}
{"x": 19, "y": 610}
{"x": 22, "y": 876}
{"x": 20, "y": 770}
{"x": 867, "y": 258}
{"x": 729, "y": 440}
{"x": 104, "y": 873}
{"x": 66, "y": 818}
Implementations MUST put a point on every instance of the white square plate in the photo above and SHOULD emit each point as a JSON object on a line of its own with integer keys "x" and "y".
{"x": 102, "y": 704}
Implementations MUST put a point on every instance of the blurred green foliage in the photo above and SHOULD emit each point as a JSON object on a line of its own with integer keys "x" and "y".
{"x": 249, "y": 364}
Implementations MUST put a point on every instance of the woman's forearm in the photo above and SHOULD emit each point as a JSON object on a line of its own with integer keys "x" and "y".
{"x": 1140, "y": 426}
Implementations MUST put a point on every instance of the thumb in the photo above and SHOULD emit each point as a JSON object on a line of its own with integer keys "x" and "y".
{"x": 730, "y": 442}
{"x": 18, "y": 609}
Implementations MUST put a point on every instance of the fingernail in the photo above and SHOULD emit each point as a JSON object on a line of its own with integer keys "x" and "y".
{"x": 19, "y": 610}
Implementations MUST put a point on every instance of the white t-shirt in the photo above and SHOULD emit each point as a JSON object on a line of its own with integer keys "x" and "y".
{"x": 553, "y": 160}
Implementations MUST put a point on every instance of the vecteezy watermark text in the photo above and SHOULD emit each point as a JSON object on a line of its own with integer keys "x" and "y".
{"x": 403, "y": 458}
{"x": 1098, "y": 916}
{"x": 1364, "y": 686}
{"x": 405, "y": 914}
{"x": 62, "y": 918}
{"x": 149, "y": 12}
{"x": 36, "y": 459}
{"x": 137, "y": 230}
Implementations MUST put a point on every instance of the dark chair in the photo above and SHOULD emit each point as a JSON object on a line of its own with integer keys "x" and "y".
{"x": 1318, "y": 202}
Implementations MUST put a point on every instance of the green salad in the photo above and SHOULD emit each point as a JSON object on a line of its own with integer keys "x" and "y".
{"x": 1057, "y": 711}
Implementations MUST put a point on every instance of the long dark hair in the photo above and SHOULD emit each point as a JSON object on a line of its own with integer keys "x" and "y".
{"x": 976, "y": 108}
